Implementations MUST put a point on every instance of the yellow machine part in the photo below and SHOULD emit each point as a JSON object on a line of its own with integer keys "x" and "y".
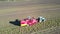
{"x": 23, "y": 24}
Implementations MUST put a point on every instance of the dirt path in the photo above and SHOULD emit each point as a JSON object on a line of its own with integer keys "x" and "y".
{"x": 4, "y": 5}
{"x": 28, "y": 11}
{"x": 36, "y": 2}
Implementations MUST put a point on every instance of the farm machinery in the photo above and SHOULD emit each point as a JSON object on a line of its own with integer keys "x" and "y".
{"x": 29, "y": 21}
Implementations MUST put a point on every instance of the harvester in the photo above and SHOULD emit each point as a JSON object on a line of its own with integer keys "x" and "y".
{"x": 31, "y": 21}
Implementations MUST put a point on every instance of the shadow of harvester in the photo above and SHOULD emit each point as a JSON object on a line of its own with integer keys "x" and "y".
{"x": 16, "y": 22}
